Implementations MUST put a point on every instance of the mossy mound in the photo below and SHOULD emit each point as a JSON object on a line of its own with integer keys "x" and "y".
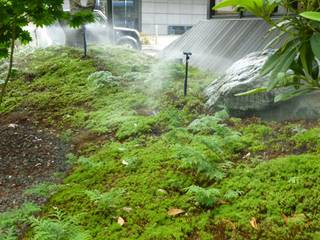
{"x": 149, "y": 163}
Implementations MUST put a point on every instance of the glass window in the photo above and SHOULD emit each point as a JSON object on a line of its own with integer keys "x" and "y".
{"x": 126, "y": 13}
{"x": 178, "y": 30}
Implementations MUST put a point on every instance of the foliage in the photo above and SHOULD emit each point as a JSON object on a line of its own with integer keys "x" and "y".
{"x": 127, "y": 138}
{"x": 103, "y": 79}
{"x": 105, "y": 201}
{"x": 57, "y": 227}
{"x": 308, "y": 139}
{"x": 278, "y": 195}
{"x": 296, "y": 63}
{"x": 42, "y": 190}
{"x": 10, "y": 220}
{"x": 16, "y": 14}
{"x": 205, "y": 197}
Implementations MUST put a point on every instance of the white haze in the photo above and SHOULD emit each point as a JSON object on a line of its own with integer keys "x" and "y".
{"x": 54, "y": 35}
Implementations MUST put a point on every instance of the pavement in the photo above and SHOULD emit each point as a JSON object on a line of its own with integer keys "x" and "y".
{"x": 157, "y": 43}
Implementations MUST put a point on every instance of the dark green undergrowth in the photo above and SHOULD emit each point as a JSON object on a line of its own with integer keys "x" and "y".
{"x": 157, "y": 166}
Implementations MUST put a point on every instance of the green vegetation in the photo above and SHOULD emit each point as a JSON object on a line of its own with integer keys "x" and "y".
{"x": 15, "y": 15}
{"x": 151, "y": 164}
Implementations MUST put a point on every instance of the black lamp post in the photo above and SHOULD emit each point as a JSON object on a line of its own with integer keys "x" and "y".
{"x": 188, "y": 54}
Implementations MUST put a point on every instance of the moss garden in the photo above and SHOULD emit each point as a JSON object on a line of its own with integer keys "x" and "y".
{"x": 145, "y": 162}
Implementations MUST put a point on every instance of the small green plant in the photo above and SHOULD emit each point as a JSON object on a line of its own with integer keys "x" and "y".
{"x": 309, "y": 139}
{"x": 103, "y": 79}
{"x": 132, "y": 164}
{"x": 105, "y": 201}
{"x": 43, "y": 190}
{"x": 202, "y": 164}
{"x": 232, "y": 195}
{"x": 9, "y": 221}
{"x": 205, "y": 197}
{"x": 57, "y": 227}
{"x": 210, "y": 155}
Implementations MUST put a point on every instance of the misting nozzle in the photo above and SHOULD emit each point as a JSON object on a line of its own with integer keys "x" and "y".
{"x": 187, "y": 53}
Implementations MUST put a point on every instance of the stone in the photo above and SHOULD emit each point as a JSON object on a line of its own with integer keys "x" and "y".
{"x": 244, "y": 75}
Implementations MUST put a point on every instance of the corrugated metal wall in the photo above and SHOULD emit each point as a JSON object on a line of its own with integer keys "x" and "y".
{"x": 218, "y": 43}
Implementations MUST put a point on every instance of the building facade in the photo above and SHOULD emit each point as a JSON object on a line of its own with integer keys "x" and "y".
{"x": 153, "y": 17}
{"x": 161, "y": 17}
{"x": 171, "y": 16}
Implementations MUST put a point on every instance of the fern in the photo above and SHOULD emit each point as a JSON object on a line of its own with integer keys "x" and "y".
{"x": 205, "y": 197}
{"x": 9, "y": 220}
{"x": 210, "y": 124}
{"x": 105, "y": 201}
{"x": 231, "y": 195}
{"x": 57, "y": 228}
{"x": 193, "y": 159}
{"x": 43, "y": 190}
{"x": 8, "y": 234}
{"x": 103, "y": 79}
{"x": 209, "y": 155}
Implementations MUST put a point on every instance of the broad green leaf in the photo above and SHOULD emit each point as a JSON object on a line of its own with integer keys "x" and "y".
{"x": 226, "y": 3}
{"x": 256, "y": 7}
{"x": 315, "y": 16}
{"x": 292, "y": 94}
{"x": 315, "y": 44}
{"x": 271, "y": 62}
{"x": 306, "y": 57}
{"x": 280, "y": 62}
{"x": 251, "y": 92}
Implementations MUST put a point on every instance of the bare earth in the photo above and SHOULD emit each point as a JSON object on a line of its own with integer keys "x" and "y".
{"x": 28, "y": 155}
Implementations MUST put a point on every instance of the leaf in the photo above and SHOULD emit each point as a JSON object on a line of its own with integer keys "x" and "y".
{"x": 127, "y": 209}
{"x": 315, "y": 44}
{"x": 253, "y": 223}
{"x": 121, "y": 221}
{"x": 175, "y": 211}
{"x": 279, "y": 61}
{"x": 292, "y": 94}
{"x": 283, "y": 64}
{"x": 226, "y": 3}
{"x": 315, "y": 16}
{"x": 306, "y": 57}
{"x": 250, "y": 92}
{"x": 124, "y": 162}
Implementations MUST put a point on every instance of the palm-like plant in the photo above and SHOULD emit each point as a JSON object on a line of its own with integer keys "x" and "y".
{"x": 296, "y": 63}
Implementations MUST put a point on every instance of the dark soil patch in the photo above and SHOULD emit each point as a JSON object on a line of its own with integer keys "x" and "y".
{"x": 28, "y": 155}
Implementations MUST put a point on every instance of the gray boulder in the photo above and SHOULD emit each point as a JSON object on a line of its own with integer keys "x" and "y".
{"x": 244, "y": 75}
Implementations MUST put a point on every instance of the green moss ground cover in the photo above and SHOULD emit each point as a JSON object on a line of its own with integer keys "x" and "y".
{"x": 155, "y": 165}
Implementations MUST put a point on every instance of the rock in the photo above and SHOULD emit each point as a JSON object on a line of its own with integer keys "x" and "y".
{"x": 244, "y": 75}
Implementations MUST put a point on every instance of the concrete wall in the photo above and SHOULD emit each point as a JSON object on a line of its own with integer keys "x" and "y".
{"x": 159, "y": 14}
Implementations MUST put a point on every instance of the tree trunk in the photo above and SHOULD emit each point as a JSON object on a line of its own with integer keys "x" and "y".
{"x": 4, "y": 86}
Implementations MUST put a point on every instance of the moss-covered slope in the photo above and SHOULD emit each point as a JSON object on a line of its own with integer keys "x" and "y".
{"x": 149, "y": 163}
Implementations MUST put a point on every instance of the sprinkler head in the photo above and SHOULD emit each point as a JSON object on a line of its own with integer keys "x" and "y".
{"x": 187, "y": 53}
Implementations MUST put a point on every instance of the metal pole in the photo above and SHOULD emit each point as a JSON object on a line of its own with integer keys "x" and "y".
{"x": 84, "y": 40}
{"x": 186, "y": 78}
{"x": 188, "y": 54}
